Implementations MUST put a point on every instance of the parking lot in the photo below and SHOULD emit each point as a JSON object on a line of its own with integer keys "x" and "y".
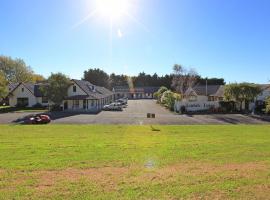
{"x": 136, "y": 113}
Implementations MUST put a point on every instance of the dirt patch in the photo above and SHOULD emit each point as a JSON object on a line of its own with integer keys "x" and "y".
{"x": 106, "y": 177}
{"x": 245, "y": 170}
{"x": 261, "y": 191}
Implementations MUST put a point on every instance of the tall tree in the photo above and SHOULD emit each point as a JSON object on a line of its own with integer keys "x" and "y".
{"x": 97, "y": 77}
{"x": 183, "y": 78}
{"x": 56, "y": 89}
{"x": 242, "y": 93}
{"x": 15, "y": 70}
{"x": 3, "y": 86}
{"x": 37, "y": 78}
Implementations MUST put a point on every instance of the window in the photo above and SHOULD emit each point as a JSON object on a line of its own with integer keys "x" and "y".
{"x": 44, "y": 99}
{"x": 74, "y": 88}
{"x": 192, "y": 98}
{"x": 22, "y": 89}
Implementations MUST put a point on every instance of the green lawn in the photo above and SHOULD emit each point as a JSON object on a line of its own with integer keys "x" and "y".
{"x": 134, "y": 162}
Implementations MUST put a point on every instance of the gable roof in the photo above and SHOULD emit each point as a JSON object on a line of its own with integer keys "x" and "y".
{"x": 92, "y": 91}
{"x": 32, "y": 87}
{"x": 264, "y": 86}
{"x": 203, "y": 90}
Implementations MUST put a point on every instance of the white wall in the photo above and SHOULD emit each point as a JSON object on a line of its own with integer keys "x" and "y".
{"x": 264, "y": 95}
{"x": 196, "y": 106}
{"x": 17, "y": 93}
{"x": 79, "y": 91}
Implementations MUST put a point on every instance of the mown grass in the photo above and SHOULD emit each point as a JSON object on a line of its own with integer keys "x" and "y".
{"x": 134, "y": 162}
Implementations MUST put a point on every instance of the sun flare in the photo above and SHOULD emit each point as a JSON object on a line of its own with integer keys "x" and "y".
{"x": 112, "y": 9}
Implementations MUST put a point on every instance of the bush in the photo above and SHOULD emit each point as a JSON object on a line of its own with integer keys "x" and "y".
{"x": 267, "y": 109}
{"x": 38, "y": 105}
{"x": 227, "y": 106}
{"x": 168, "y": 99}
{"x": 158, "y": 95}
{"x": 56, "y": 108}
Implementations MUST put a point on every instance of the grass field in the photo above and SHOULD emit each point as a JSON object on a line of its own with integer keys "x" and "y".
{"x": 134, "y": 162}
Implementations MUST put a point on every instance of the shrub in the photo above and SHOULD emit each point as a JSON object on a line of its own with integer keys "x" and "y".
{"x": 227, "y": 106}
{"x": 38, "y": 105}
{"x": 168, "y": 99}
{"x": 267, "y": 109}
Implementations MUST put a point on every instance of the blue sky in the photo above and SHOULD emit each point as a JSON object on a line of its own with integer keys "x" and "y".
{"x": 219, "y": 38}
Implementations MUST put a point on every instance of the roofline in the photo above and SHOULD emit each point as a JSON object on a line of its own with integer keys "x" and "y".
{"x": 21, "y": 83}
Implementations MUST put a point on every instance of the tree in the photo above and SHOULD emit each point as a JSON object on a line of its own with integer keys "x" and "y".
{"x": 267, "y": 110}
{"x": 159, "y": 93}
{"x": 97, "y": 77}
{"x": 56, "y": 89}
{"x": 3, "y": 86}
{"x": 183, "y": 78}
{"x": 242, "y": 93}
{"x": 117, "y": 80}
{"x": 168, "y": 99}
{"x": 37, "y": 78}
{"x": 15, "y": 70}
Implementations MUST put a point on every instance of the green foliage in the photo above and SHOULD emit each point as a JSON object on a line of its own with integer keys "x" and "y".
{"x": 159, "y": 93}
{"x": 3, "y": 86}
{"x": 15, "y": 70}
{"x": 267, "y": 109}
{"x": 97, "y": 77}
{"x": 168, "y": 99}
{"x": 242, "y": 92}
{"x": 56, "y": 89}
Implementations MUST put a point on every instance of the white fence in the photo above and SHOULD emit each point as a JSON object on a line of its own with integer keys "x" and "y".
{"x": 195, "y": 106}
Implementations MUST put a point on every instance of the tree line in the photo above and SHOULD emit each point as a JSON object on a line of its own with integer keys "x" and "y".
{"x": 100, "y": 77}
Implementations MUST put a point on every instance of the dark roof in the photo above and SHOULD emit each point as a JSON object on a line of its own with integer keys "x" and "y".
{"x": 93, "y": 91}
{"x": 32, "y": 87}
{"x": 264, "y": 86}
{"x": 210, "y": 90}
{"x": 126, "y": 89}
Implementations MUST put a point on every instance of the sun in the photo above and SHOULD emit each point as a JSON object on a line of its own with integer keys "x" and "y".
{"x": 112, "y": 9}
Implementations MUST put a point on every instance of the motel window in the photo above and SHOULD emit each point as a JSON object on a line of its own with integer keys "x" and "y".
{"x": 192, "y": 98}
{"x": 74, "y": 88}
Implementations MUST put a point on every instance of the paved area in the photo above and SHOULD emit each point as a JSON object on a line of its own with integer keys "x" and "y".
{"x": 136, "y": 112}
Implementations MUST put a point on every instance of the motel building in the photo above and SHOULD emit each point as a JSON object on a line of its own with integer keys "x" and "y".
{"x": 135, "y": 93}
{"x": 82, "y": 96}
{"x": 201, "y": 98}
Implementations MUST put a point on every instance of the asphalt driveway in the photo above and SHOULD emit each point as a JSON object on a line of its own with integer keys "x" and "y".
{"x": 136, "y": 113}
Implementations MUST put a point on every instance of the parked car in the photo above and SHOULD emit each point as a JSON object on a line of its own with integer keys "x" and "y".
{"x": 113, "y": 107}
{"x": 38, "y": 119}
{"x": 122, "y": 101}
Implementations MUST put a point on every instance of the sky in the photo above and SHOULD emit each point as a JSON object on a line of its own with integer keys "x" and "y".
{"x": 227, "y": 39}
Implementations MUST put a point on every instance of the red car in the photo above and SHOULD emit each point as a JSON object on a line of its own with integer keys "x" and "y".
{"x": 38, "y": 119}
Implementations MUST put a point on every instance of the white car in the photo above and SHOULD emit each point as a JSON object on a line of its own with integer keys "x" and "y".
{"x": 113, "y": 107}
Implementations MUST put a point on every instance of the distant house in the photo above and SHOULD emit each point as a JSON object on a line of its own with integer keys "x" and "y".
{"x": 201, "y": 97}
{"x": 136, "y": 92}
{"x": 82, "y": 96}
{"x": 26, "y": 95}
